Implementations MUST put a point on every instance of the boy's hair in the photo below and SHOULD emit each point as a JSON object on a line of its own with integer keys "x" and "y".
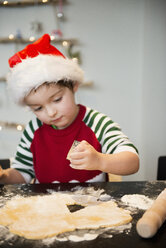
{"x": 62, "y": 83}
{"x": 66, "y": 83}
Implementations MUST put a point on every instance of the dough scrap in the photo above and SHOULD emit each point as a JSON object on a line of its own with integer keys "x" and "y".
{"x": 74, "y": 145}
{"x": 39, "y": 217}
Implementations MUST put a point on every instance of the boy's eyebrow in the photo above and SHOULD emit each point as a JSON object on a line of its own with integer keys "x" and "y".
{"x": 31, "y": 105}
{"x": 48, "y": 98}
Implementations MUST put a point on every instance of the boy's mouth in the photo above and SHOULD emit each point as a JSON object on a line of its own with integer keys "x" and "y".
{"x": 56, "y": 120}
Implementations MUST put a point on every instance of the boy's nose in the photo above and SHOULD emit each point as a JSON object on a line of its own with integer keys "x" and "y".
{"x": 51, "y": 111}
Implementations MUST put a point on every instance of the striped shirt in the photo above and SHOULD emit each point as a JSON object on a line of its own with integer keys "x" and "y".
{"x": 42, "y": 150}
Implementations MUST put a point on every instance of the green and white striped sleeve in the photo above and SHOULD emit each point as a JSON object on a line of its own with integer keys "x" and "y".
{"x": 108, "y": 133}
{"x": 23, "y": 161}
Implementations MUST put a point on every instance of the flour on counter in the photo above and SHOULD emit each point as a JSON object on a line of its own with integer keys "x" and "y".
{"x": 86, "y": 236}
{"x": 71, "y": 237}
{"x": 5, "y": 235}
{"x": 137, "y": 201}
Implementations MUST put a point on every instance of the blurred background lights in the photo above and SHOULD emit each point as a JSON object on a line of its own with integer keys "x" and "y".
{"x": 65, "y": 43}
{"x": 32, "y": 38}
{"x": 5, "y": 2}
{"x": 11, "y": 36}
{"x": 19, "y": 127}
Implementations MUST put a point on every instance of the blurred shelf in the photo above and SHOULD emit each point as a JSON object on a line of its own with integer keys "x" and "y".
{"x": 31, "y": 39}
{"x": 25, "y": 3}
{"x": 87, "y": 84}
{"x": 2, "y": 79}
{"x": 13, "y": 125}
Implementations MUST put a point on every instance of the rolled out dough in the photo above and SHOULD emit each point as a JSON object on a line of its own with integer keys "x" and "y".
{"x": 39, "y": 217}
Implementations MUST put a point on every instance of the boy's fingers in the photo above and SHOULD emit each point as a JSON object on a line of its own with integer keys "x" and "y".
{"x": 1, "y": 171}
{"x": 77, "y": 167}
{"x": 76, "y": 155}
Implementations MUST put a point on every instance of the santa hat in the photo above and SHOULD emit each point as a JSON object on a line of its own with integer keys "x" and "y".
{"x": 38, "y": 63}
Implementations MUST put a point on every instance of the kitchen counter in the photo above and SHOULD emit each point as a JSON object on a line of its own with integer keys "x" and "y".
{"x": 126, "y": 238}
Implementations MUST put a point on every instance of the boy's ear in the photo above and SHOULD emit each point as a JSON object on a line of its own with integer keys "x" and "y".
{"x": 75, "y": 87}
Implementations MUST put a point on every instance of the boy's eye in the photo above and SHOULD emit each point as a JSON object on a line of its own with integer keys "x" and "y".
{"x": 58, "y": 99}
{"x": 37, "y": 109}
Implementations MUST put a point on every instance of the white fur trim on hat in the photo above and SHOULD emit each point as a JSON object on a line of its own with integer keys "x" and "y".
{"x": 33, "y": 72}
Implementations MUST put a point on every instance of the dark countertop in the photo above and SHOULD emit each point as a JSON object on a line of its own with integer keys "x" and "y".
{"x": 128, "y": 238}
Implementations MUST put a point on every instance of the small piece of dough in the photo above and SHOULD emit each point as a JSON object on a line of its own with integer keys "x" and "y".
{"x": 74, "y": 145}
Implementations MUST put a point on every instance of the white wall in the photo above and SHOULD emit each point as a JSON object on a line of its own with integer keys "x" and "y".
{"x": 122, "y": 43}
{"x": 153, "y": 122}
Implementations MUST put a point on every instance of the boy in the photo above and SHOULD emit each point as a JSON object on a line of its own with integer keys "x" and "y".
{"x": 43, "y": 79}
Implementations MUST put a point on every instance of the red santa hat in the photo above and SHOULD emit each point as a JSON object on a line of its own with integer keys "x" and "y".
{"x": 38, "y": 63}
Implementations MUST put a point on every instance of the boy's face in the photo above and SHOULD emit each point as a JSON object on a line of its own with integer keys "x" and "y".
{"x": 53, "y": 104}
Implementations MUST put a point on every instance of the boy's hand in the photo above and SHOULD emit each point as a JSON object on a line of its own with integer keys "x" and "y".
{"x": 1, "y": 172}
{"x": 85, "y": 157}
{"x": 10, "y": 176}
